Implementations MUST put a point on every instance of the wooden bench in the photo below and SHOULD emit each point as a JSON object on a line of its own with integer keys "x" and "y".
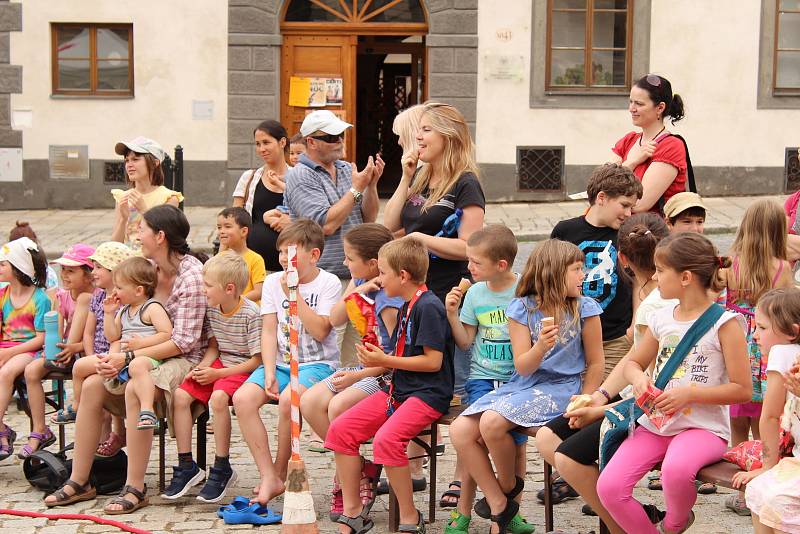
{"x": 720, "y": 473}
{"x": 430, "y": 452}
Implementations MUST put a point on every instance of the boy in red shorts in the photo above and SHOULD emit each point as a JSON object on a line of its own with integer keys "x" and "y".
{"x": 234, "y": 351}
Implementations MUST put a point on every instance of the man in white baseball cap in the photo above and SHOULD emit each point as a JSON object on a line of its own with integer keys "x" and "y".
{"x": 333, "y": 193}
{"x": 140, "y": 145}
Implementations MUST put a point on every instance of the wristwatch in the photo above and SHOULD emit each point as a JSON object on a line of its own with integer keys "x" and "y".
{"x": 357, "y": 195}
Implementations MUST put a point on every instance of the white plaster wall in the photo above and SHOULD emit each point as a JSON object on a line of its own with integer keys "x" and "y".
{"x": 180, "y": 55}
{"x": 709, "y": 52}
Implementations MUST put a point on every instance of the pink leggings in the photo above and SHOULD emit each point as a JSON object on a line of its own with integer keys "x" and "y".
{"x": 681, "y": 457}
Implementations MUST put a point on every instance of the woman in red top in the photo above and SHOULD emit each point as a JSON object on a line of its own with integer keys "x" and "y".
{"x": 655, "y": 156}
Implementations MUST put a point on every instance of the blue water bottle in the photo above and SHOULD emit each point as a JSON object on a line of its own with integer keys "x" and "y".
{"x": 51, "y": 336}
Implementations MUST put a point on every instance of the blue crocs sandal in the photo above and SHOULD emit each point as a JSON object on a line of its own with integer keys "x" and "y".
{"x": 238, "y": 503}
{"x": 255, "y": 514}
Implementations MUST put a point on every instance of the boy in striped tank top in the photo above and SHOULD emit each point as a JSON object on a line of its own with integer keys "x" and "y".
{"x": 234, "y": 351}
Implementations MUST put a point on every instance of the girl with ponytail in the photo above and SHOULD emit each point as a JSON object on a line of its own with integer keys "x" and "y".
{"x": 654, "y": 155}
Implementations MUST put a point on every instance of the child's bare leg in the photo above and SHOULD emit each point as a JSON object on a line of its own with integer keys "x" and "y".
{"x": 141, "y": 382}
{"x": 222, "y": 422}
{"x": 285, "y": 431}
{"x": 80, "y": 371}
{"x": 314, "y": 407}
{"x": 247, "y": 401}
{"x": 758, "y": 528}
{"x": 495, "y": 433}
{"x": 14, "y": 367}
{"x": 34, "y": 373}
{"x": 182, "y": 420}
{"x": 348, "y": 470}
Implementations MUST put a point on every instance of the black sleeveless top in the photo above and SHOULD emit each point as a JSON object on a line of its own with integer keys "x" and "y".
{"x": 262, "y": 239}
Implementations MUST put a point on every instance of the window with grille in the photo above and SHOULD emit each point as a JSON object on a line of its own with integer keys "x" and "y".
{"x": 114, "y": 172}
{"x": 791, "y": 170}
{"x": 92, "y": 59}
{"x": 589, "y": 45}
{"x": 540, "y": 168}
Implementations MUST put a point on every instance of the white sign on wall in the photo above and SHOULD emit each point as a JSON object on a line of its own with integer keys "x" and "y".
{"x": 10, "y": 164}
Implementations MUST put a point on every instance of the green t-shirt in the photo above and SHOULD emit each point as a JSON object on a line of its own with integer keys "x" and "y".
{"x": 491, "y": 354}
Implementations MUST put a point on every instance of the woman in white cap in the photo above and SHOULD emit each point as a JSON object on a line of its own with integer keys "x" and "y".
{"x": 143, "y": 158}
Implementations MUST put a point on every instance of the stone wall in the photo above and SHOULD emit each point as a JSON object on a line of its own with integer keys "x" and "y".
{"x": 10, "y": 75}
{"x": 254, "y": 45}
{"x": 453, "y": 55}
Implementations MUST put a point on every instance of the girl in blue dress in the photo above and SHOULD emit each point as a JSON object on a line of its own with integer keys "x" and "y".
{"x": 549, "y": 358}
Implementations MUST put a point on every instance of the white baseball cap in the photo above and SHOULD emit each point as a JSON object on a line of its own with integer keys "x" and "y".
{"x": 140, "y": 145}
{"x": 323, "y": 120}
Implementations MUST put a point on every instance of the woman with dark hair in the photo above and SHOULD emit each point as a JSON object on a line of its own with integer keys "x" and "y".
{"x": 260, "y": 191}
{"x": 180, "y": 290}
{"x": 143, "y": 170}
{"x": 655, "y": 156}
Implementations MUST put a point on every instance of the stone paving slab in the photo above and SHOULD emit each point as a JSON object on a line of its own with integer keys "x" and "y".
{"x": 58, "y": 229}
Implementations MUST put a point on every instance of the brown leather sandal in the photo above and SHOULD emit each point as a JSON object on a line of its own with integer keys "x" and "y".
{"x": 128, "y": 506}
{"x": 82, "y": 493}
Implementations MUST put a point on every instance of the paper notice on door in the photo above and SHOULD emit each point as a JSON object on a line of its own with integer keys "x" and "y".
{"x": 333, "y": 94}
{"x": 299, "y": 91}
{"x": 318, "y": 93}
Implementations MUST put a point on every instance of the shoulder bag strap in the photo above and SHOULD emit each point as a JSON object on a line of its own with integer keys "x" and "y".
{"x": 702, "y": 325}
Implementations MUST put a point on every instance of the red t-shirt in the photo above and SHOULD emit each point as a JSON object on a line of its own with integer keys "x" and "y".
{"x": 669, "y": 150}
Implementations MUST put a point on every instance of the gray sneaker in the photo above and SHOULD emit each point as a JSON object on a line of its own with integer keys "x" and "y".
{"x": 736, "y": 503}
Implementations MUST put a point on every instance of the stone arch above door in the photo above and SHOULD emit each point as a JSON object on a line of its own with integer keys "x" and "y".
{"x": 254, "y": 45}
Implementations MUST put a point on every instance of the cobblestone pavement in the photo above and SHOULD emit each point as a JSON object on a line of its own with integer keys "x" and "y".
{"x": 58, "y": 229}
{"x": 189, "y": 515}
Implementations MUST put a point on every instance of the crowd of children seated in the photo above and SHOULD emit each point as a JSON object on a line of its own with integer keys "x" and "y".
{"x": 596, "y": 317}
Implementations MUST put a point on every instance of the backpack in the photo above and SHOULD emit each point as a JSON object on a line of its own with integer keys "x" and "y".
{"x": 48, "y": 471}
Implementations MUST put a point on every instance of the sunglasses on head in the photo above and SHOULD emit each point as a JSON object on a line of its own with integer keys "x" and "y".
{"x": 328, "y": 138}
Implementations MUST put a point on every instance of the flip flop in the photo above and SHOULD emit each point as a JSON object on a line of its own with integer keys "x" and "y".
{"x": 255, "y": 514}
{"x": 238, "y": 504}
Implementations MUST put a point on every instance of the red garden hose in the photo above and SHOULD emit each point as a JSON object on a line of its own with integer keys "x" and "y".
{"x": 84, "y": 517}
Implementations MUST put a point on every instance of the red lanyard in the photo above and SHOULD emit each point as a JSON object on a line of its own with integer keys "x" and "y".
{"x": 400, "y": 344}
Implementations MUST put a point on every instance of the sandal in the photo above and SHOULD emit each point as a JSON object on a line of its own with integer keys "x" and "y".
{"x": 147, "y": 420}
{"x": 64, "y": 416}
{"x": 359, "y": 524}
{"x": 560, "y": 491}
{"x": 444, "y": 502}
{"x": 337, "y": 501}
{"x": 110, "y": 446}
{"x": 518, "y": 525}
{"x": 458, "y": 523}
{"x": 654, "y": 482}
{"x": 128, "y": 506}
{"x": 7, "y": 449}
{"x": 317, "y": 445}
{"x": 504, "y": 518}
{"x": 82, "y": 493}
{"x": 44, "y": 440}
{"x": 419, "y": 528}
{"x": 705, "y": 488}
{"x": 482, "y": 507}
{"x": 370, "y": 474}
{"x": 417, "y": 484}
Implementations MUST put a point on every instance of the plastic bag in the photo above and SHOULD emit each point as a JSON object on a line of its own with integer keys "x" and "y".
{"x": 361, "y": 312}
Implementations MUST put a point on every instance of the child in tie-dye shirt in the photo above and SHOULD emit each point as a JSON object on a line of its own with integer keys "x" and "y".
{"x": 23, "y": 303}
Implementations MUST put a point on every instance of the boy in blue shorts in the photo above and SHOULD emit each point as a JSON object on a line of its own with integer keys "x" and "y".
{"x": 483, "y": 325}
{"x": 318, "y": 351}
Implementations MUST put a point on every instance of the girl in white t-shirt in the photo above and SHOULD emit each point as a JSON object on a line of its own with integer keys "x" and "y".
{"x": 714, "y": 373}
{"x": 773, "y": 492}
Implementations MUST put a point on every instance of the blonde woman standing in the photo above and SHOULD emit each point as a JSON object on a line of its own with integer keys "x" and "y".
{"x": 440, "y": 176}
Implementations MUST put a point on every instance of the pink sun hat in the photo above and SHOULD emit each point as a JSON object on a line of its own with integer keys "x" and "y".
{"x": 76, "y": 256}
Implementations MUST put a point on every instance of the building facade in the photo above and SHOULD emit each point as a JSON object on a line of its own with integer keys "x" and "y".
{"x": 543, "y": 84}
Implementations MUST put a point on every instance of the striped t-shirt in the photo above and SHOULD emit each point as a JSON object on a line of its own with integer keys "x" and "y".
{"x": 238, "y": 333}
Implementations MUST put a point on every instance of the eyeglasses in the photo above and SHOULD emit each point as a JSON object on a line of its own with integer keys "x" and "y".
{"x": 329, "y": 138}
{"x": 653, "y": 79}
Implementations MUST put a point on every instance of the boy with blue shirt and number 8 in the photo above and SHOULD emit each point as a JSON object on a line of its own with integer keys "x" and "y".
{"x": 482, "y": 324}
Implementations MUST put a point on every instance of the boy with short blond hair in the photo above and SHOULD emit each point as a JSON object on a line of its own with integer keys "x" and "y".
{"x": 233, "y": 227}
{"x": 234, "y": 350}
{"x": 482, "y": 324}
{"x": 420, "y": 392}
{"x": 613, "y": 191}
{"x": 318, "y": 351}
